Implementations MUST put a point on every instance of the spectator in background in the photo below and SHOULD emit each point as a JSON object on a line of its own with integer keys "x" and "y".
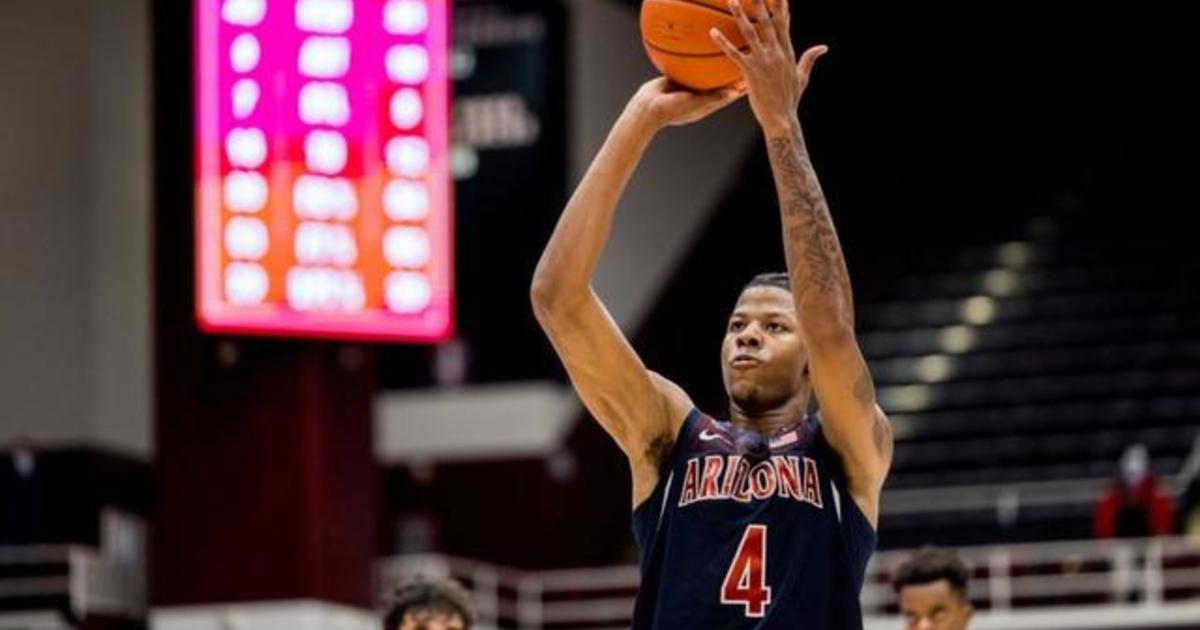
{"x": 1189, "y": 493}
{"x": 428, "y": 604}
{"x": 932, "y": 586}
{"x": 21, "y": 519}
{"x": 1135, "y": 505}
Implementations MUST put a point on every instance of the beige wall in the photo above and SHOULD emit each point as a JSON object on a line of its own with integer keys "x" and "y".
{"x": 74, "y": 201}
{"x": 680, "y": 180}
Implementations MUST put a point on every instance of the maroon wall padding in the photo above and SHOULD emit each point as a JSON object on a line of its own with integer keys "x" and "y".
{"x": 513, "y": 513}
{"x": 266, "y": 486}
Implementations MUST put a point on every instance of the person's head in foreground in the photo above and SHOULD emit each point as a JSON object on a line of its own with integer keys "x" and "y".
{"x": 428, "y": 604}
{"x": 932, "y": 586}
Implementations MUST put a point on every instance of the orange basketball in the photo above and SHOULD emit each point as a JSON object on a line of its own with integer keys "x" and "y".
{"x": 676, "y": 36}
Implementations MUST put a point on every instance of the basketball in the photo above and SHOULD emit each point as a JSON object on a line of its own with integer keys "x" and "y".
{"x": 676, "y": 36}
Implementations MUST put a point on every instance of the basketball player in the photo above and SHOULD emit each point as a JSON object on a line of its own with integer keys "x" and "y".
{"x": 766, "y": 519}
{"x": 932, "y": 586}
{"x": 428, "y": 604}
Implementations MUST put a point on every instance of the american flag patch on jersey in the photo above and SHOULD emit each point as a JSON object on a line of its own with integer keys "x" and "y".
{"x": 785, "y": 439}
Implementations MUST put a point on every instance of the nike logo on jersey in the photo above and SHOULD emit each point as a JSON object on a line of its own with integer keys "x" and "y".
{"x": 708, "y": 436}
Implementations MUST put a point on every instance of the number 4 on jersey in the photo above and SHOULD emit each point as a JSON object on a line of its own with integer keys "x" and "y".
{"x": 746, "y": 581}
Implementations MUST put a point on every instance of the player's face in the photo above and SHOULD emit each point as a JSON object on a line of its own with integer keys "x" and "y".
{"x": 763, "y": 359}
{"x": 934, "y": 606}
{"x": 432, "y": 620}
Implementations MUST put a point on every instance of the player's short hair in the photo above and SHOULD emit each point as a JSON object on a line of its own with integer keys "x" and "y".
{"x": 421, "y": 593}
{"x": 931, "y": 564}
{"x": 776, "y": 279}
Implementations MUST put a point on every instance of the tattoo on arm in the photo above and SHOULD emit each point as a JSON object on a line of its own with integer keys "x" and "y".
{"x": 815, "y": 261}
{"x": 881, "y": 432}
{"x": 813, "y": 253}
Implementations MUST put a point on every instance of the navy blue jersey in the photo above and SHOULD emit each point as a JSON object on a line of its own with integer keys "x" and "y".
{"x": 745, "y": 532}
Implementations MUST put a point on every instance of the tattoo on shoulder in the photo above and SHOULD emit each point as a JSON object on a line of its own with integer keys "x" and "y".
{"x": 659, "y": 448}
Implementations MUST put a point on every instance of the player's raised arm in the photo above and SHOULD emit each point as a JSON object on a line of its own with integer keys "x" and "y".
{"x": 639, "y": 409}
{"x": 854, "y": 424}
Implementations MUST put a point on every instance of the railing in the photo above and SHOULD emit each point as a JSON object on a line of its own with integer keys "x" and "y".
{"x": 1153, "y": 570}
{"x": 88, "y": 583}
{"x": 1082, "y": 584}
{"x": 35, "y": 620}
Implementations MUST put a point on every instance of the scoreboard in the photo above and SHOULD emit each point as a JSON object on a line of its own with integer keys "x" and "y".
{"x": 323, "y": 202}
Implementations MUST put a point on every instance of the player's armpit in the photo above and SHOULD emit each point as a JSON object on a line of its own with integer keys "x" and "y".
{"x": 854, "y": 424}
{"x": 678, "y": 404}
{"x": 642, "y": 411}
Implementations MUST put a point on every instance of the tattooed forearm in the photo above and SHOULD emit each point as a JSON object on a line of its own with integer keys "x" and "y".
{"x": 821, "y": 290}
{"x": 814, "y": 254}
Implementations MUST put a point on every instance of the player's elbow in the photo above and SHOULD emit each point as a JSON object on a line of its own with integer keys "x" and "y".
{"x": 549, "y": 297}
{"x": 541, "y": 296}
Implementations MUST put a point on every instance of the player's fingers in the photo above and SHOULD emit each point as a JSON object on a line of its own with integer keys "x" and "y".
{"x": 809, "y": 58}
{"x": 721, "y": 98}
{"x": 745, "y": 25}
{"x": 759, "y": 8}
{"x": 783, "y": 25}
{"x": 764, "y": 24}
{"x": 783, "y": 13}
{"x": 701, "y": 105}
{"x": 783, "y": 10}
{"x": 727, "y": 47}
{"x": 736, "y": 90}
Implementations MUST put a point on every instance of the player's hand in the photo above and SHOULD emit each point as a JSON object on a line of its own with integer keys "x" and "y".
{"x": 776, "y": 81}
{"x": 664, "y": 104}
